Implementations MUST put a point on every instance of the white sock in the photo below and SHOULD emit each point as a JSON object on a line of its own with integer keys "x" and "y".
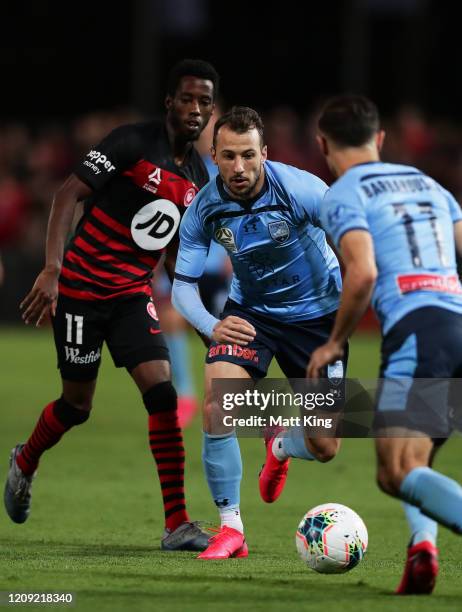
{"x": 423, "y": 536}
{"x": 231, "y": 517}
{"x": 278, "y": 450}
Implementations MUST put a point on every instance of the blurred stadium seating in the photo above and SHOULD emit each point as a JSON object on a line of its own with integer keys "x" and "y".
{"x": 35, "y": 160}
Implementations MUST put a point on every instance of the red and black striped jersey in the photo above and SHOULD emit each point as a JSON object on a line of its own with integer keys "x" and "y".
{"x": 139, "y": 195}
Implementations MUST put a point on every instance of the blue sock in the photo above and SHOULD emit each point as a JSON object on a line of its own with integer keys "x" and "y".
{"x": 422, "y": 528}
{"x": 293, "y": 444}
{"x": 223, "y": 469}
{"x": 437, "y": 496}
{"x": 179, "y": 354}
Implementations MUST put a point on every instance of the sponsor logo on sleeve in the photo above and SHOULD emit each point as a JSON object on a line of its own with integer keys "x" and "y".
{"x": 98, "y": 162}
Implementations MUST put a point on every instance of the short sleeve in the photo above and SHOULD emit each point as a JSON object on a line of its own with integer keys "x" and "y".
{"x": 307, "y": 192}
{"x": 115, "y": 153}
{"x": 342, "y": 215}
{"x": 194, "y": 246}
{"x": 454, "y": 208}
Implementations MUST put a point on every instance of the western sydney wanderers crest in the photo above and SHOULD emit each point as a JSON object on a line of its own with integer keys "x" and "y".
{"x": 225, "y": 237}
{"x": 155, "y": 224}
{"x": 279, "y": 231}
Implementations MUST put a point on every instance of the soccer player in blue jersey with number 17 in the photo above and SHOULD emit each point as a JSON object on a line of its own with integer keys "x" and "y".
{"x": 397, "y": 230}
{"x": 284, "y": 295}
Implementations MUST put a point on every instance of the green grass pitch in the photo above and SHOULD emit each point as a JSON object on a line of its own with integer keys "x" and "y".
{"x": 96, "y": 517}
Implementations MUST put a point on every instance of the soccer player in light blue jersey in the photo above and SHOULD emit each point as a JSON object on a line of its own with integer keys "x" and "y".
{"x": 397, "y": 230}
{"x": 283, "y": 298}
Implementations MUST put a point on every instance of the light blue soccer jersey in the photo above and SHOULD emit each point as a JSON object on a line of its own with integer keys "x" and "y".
{"x": 283, "y": 266}
{"x": 410, "y": 217}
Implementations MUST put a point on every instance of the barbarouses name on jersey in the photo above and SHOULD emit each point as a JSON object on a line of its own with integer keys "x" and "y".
{"x": 310, "y": 420}
{"x": 396, "y": 185}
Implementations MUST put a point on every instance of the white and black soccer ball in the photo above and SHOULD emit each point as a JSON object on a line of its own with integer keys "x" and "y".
{"x": 331, "y": 539}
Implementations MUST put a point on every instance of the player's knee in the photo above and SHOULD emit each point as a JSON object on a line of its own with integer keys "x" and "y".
{"x": 389, "y": 480}
{"x": 323, "y": 450}
{"x": 71, "y": 414}
{"x": 161, "y": 397}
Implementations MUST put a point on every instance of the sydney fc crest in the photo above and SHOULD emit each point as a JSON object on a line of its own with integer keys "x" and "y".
{"x": 225, "y": 237}
{"x": 279, "y": 231}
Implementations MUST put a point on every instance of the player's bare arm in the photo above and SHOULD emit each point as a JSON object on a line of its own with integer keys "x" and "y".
{"x": 360, "y": 275}
{"x": 43, "y": 296}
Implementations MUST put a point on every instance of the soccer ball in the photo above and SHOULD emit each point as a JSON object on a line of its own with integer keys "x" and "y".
{"x": 331, "y": 539}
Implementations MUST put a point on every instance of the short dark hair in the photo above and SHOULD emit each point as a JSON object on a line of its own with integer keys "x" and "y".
{"x": 240, "y": 119}
{"x": 349, "y": 120}
{"x": 192, "y": 67}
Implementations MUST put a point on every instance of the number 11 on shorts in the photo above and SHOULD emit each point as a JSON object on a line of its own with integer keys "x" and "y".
{"x": 76, "y": 320}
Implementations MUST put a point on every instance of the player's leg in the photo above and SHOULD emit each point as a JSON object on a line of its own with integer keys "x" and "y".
{"x": 424, "y": 345}
{"x": 221, "y": 454}
{"x": 293, "y": 354}
{"x": 176, "y": 336}
{"x": 174, "y": 328}
{"x": 223, "y": 468}
{"x": 78, "y": 343}
{"x": 403, "y": 472}
{"x": 136, "y": 342}
{"x": 422, "y": 528}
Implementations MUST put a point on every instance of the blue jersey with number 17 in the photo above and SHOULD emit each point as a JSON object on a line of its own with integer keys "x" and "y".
{"x": 410, "y": 217}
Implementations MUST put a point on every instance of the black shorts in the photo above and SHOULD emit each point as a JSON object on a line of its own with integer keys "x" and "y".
{"x": 420, "y": 372}
{"x": 290, "y": 343}
{"x": 128, "y": 325}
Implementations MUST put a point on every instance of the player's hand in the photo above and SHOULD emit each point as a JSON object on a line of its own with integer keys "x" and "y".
{"x": 42, "y": 298}
{"x": 323, "y": 356}
{"x": 235, "y": 330}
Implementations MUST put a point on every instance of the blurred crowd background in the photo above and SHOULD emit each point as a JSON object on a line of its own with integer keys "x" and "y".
{"x": 72, "y": 77}
{"x": 35, "y": 160}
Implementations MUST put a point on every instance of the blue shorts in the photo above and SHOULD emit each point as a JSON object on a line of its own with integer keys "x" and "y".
{"x": 290, "y": 343}
{"x": 421, "y": 362}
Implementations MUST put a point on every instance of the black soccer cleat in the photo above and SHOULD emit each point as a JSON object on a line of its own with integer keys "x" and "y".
{"x": 17, "y": 494}
{"x": 188, "y": 536}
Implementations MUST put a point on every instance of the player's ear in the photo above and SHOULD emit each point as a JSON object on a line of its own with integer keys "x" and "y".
{"x": 168, "y": 102}
{"x": 264, "y": 153}
{"x": 213, "y": 153}
{"x": 322, "y": 142}
{"x": 379, "y": 139}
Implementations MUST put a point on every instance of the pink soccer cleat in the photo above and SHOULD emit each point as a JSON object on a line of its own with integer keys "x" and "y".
{"x": 273, "y": 474}
{"x": 228, "y": 542}
{"x": 420, "y": 571}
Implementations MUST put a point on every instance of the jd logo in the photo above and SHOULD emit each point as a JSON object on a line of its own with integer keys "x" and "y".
{"x": 225, "y": 237}
{"x": 154, "y": 225}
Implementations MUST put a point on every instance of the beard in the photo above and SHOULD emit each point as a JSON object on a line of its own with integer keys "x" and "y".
{"x": 246, "y": 193}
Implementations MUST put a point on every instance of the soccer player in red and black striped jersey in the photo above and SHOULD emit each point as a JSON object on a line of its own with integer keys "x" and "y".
{"x": 135, "y": 184}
